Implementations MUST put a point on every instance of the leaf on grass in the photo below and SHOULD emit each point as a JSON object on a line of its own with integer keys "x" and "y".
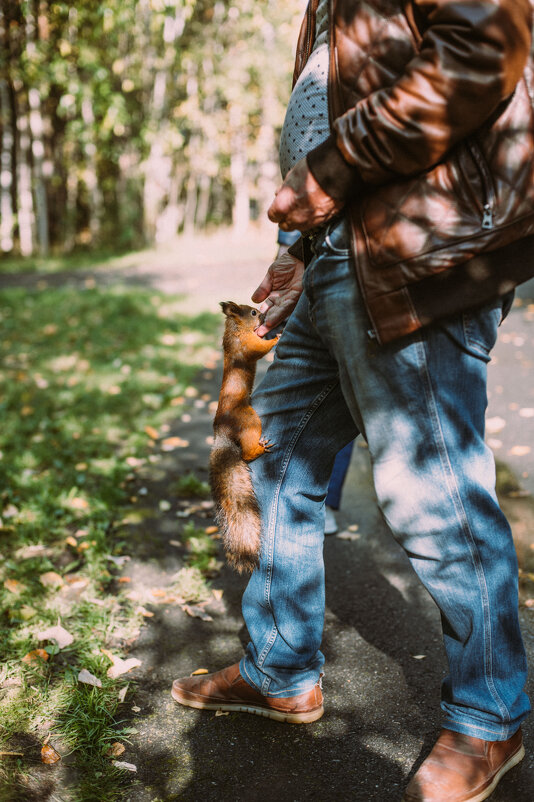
{"x": 51, "y": 580}
{"x": 196, "y": 612}
{"x": 116, "y": 750}
{"x": 120, "y": 764}
{"x": 120, "y": 666}
{"x": 71, "y": 541}
{"x": 87, "y": 678}
{"x": 14, "y": 586}
{"x": 57, "y": 633}
{"x": 122, "y": 693}
{"x": 28, "y": 552}
{"x": 35, "y": 655}
{"x": 152, "y": 433}
{"x": 49, "y": 754}
{"x": 119, "y": 561}
{"x": 199, "y": 671}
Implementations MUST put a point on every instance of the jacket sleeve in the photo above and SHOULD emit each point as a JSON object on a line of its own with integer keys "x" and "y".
{"x": 472, "y": 54}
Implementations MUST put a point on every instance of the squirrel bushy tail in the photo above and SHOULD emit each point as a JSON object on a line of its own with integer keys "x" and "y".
{"x": 236, "y": 508}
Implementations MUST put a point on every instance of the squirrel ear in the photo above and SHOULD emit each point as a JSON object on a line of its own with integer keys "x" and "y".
{"x": 230, "y": 308}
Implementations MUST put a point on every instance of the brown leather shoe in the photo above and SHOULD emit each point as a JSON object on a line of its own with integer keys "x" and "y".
{"x": 227, "y": 690}
{"x": 463, "y": 769}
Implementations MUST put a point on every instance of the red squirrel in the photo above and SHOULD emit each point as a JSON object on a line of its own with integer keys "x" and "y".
{"x": 238, "y": 438}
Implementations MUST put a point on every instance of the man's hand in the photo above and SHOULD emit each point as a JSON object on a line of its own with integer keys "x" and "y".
{"x": 300, "y": 203}
{"x": 279, "y": 290}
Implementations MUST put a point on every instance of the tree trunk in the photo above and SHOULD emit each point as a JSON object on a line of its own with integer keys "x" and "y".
{"x": 26, "y": 215}
{"x": 238, "y": 162}
{"x": 7, "y": 218}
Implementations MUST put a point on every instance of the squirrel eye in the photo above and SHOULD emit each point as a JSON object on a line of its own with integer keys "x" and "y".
{"x": 253, "y": 313}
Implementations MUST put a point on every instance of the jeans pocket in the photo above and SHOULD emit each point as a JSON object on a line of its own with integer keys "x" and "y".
{"x": 475, "y": 331}
{"x": 337, "y": 239}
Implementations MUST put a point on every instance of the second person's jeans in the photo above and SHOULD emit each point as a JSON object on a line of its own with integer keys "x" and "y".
{"x": 420, "y": 404}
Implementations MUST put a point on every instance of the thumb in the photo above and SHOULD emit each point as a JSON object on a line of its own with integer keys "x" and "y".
{"x": 261, "y": 292}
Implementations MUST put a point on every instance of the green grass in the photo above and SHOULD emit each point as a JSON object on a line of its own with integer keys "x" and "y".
{"x": 83, "y": 375}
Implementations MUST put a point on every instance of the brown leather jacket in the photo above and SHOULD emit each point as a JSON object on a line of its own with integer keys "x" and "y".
{"x": 432, "y": 146}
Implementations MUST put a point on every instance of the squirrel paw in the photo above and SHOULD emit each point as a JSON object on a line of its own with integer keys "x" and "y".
{"x": 267, "y": 445}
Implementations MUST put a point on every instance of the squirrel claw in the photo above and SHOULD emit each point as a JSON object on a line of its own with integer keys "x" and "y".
{"x": 267, "y": 445}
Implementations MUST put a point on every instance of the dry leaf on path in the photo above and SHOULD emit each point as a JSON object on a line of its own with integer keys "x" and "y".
{"x": 348, "y": 536}
{"x": 519, "y": 451}
{"x": 116, "y": 749}
{"x": 49, "y": 754}
{"x": 122, "y": 693}
{"x": 199, "y": 671}
{"x": 419, "y": 656}
{"x": 120, "y": 666}
{"x": 196, "y": 612}
{"x": 170, "y": 443}
{"x": 221, "y": 713}
{"x": 57, "y": 633}
{"x": 120, "y": 764}
{"x": 153, "y": 433}
{"x": 87, "y": 678}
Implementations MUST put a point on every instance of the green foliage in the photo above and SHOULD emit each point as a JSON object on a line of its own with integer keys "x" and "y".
{"x": 83, "y": 373}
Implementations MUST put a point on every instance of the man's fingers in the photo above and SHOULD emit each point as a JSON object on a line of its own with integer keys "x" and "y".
{"x": 261, "y": 292}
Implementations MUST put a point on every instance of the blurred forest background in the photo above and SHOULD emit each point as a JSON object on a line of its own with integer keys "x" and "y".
{"x": 126, "y": 122}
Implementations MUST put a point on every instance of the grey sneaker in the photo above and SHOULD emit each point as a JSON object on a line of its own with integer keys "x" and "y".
{"x": 330, "y": 523}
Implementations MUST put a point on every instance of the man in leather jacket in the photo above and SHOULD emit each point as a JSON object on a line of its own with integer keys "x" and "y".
{"x": 408, "y": 163}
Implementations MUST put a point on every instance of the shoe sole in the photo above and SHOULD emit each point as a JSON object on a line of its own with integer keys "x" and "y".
{"x": 510, "y": 763}
{"x": 233, "y": 707}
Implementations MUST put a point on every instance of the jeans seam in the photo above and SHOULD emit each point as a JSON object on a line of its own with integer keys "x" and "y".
{"x": 467, "y": 723}
{"x": 464, "y": 522}
{"x": 269, "y": 552}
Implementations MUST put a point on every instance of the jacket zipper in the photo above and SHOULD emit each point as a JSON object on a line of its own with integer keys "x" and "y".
{"x": 487, "y": 185}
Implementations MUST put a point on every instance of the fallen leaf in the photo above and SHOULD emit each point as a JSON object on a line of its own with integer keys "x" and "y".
{"x": 118, "y": 560}
{"x": 136, "y": 709}
{"x": 176, "y": 543}
{"x": 526, "y": 412}
{"x": 519, "y": 451}
{"x": 153, "y": 433}
{"x": 165, "y": 505}
{"x": 125, "y": 579}
{"x": 218, "y": 593}
{"x": 199, "y": 671}
{"x": 144, "y": 612}
{"x": 348, "y": 536}
{"x": 87, "y": 678}
{"x": 122, "y": 765}
{"x": 49, "y": 754}
{"x": 120, "y": 666}
{"x": 36, "y": 654}
{"x": 419, "y": 656}
{"x": 196, "y": 612}
{"x": 211, "y": 530}
{"x": 51, "y": 580}
{"x": 495, "y": 425}
{"x": 529, "y": 603}
{"x": 116, "y": 749}
{"x": 14, "y": 586}
{"x": 71, "y": 541}
{"x": 11, "y": 754}
{"x": 170, "y": 443}
{"x": 221, "y": 713}
{"x": 28, "y": 552}
{"x": 57, "y": 633}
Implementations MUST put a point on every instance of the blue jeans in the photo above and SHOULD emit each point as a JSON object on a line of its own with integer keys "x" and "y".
{"x": 420, "y": 404}
{"x": 339, "y": 474}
